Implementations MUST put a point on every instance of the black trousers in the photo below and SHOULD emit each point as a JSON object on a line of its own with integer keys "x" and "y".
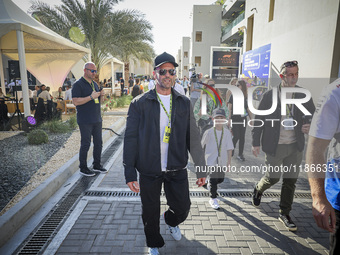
{"x": 239, "y": 133}
{"x": 215, "y": 179}
{"x": 176, "y": 188}
{"x": 86, "y": 132}
{"x": 335, "y": 238}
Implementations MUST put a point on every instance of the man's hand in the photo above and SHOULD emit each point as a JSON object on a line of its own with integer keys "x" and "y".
{"x": 305, "y": 128}
{"x": 134, "y": 186}
{"x": 256, "y": 150}
{"x": 324, "y": 214}
{"x": 200, "y": 181}
{"x": 95, "y": 94}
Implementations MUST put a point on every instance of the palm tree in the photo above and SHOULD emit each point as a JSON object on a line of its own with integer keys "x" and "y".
{"x": 96, "y": 26}
{"x": 131, "y": 50}
{"x": 135, "y": 45}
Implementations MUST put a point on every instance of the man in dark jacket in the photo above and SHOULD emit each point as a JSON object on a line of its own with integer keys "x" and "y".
{"x": 122, "y": 85}
{"x": 283, "y": 141}
{"x": 159, "y": 129}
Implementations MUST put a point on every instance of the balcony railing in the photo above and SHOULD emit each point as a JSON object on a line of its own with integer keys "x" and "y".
{"x": 228, "y": 27}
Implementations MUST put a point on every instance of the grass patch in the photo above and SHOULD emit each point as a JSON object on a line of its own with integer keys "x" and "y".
{"x": 73, "y": 122}
{"x": 56, "y": 126}
{"x": 113, "y": 102}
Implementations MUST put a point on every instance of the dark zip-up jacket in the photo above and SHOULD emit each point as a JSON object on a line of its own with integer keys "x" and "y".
{"x": 268, "y": 135}
{"x": 142, "y": 149}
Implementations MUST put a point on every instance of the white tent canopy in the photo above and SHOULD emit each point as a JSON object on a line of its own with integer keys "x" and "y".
{"x": 47, "y": 55}
{"x": 109, "y": 68}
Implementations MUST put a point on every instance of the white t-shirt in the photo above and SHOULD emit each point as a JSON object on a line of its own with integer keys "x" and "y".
{"x": 163, "y": 121}
{"x": 68, "y": 94}
{"x": 45, "y": 95}
{"x": 211, "y": 151}
{"x": 326, "y": 125}
{"x": 326, "y": 119}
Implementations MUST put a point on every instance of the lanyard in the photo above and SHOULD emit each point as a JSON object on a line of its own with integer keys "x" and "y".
{"x": 289, "y": 109}
{"x": 92, "y": 85}
{"x": 166, "y": 112}
{"x": 219, "y": 145}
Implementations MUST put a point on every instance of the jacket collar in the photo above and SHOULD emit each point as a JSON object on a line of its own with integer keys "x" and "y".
{"x": 152, "y": 94}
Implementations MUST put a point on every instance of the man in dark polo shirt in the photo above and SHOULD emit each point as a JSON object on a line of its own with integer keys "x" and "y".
{"x": 122, "y": 85}
{"x": 86, "y": 97}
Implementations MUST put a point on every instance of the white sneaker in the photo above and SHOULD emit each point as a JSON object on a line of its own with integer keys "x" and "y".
{"x": 214, "y": 203}
{"x": 174, "y": 231}
{"x": 153, "y": 251}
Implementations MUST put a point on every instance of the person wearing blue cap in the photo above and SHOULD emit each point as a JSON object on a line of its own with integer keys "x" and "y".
{"x": 160, "y": 129}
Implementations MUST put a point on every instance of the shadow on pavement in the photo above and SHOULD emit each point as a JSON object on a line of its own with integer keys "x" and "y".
{"x": 184, "y": 246}
{"x": 274, "y": 237}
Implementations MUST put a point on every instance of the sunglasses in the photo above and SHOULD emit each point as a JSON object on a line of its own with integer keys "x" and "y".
{"x": 91, "y": 70}
{"x": 172, "y": 72}
{"x": 290, "y": 63}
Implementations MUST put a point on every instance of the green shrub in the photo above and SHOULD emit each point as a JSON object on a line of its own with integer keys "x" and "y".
{"x": 116, "y": 102}
{"x": 37, "y": 136}
{"x": 56, "y": 126}
{"x": 120, "y": 102}
{"x": 73, "y": 122}
{"x": 124, "y": 100}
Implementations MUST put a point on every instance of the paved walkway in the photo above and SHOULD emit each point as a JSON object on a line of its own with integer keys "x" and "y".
{"x": 113, "y": 225}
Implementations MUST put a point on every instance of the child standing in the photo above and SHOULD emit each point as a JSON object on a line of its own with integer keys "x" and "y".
{"x": 218, "y": 145}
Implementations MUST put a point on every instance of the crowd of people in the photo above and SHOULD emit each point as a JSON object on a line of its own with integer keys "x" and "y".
{"x": 178, "y": 116}
{"x": 159, "y": 158}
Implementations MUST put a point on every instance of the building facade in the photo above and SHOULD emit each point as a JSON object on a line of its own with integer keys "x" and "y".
{"x": 233, "y": 23}
{"x": 206, "y": 32}
{"x": 307, "y": 31}
{"x": 185, "y": 57}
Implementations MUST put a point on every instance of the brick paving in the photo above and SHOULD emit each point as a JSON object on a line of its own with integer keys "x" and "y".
{"x": 113, "y": 225}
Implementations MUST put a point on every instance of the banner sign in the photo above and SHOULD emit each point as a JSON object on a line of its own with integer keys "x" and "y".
{"x": 223, "y": 76}
{"x": 226, "y": 59}
{"x": 256, "y": 65}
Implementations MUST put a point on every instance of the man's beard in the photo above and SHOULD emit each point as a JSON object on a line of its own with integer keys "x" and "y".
{"x": 165, "y": 85}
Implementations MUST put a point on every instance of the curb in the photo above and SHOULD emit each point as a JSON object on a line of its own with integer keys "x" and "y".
{"x": 15, "y": 217}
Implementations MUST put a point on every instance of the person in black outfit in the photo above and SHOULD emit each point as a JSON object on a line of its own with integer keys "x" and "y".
{"x": 86, "y": 97}
{"x": 122, "y": 85}
{"x": 160, "y": 129}
{"x": 130, "y": 84}
{"x": 239, "y": 122}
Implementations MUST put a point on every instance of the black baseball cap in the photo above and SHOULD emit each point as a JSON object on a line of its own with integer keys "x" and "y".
{"x": 164, "y": 58}
{"x": 218, "y": 112}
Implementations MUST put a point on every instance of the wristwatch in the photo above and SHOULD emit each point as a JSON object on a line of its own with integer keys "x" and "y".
{"x": 91, "y": 97}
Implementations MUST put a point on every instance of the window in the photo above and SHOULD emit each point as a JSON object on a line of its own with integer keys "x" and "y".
{"x": 185, "y": 54}
{"x": 250, "y": 26}
{"x": 271, "y": 10}
{"x": 198, "y": 61}
{"x": 198, "y": 36}
{"x": 185, "y": 68}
